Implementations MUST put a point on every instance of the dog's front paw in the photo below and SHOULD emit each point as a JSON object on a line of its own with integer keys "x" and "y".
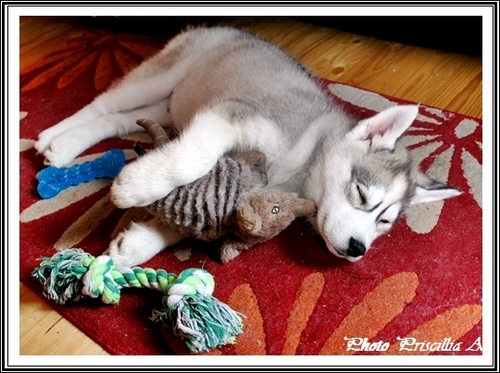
{"x": 127, "y": 192}
{"x": 137, "y": 186}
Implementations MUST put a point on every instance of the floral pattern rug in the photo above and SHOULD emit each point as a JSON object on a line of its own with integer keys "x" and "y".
{"x": 417, "y": 292}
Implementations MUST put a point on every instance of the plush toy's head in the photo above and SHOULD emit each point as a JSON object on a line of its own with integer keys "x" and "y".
{"x": 262, "y": 214}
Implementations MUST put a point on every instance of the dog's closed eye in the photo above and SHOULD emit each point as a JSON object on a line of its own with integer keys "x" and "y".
{"x": 361, "y": 194}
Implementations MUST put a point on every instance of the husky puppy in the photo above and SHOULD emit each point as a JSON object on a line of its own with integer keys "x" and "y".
{"x": 230, "y": 91}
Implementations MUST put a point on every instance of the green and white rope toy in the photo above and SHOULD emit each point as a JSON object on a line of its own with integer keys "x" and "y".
{"x": 188, "y": 305}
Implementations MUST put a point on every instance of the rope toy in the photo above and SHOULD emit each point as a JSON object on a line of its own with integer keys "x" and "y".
{"x": 188, "y": 305}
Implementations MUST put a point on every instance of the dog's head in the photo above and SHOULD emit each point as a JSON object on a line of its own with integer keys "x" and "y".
{"x": 363, "y": 183}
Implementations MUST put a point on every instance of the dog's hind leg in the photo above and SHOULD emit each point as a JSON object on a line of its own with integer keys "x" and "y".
{"x": 144, "y": 87}
{"x": 75, "y": 140}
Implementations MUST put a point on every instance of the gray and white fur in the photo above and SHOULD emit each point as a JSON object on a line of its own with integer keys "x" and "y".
{"x": 230, "y": 92}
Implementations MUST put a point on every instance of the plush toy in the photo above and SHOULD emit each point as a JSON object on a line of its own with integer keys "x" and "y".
{"x": 228, "y": 202}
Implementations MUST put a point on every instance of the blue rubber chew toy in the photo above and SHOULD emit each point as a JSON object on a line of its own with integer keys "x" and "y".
{"x": 52, "y": 179}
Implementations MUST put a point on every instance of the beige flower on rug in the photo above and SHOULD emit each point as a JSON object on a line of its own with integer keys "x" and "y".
{"x": 435, "y": 146}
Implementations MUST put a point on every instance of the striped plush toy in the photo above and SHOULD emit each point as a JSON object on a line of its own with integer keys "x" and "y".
{"x": 228, "y": 202}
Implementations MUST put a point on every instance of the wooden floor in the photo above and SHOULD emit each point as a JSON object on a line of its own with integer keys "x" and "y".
{"x": 444, "y": 80}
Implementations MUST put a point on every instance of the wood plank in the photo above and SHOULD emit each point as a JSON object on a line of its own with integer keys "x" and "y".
{"x": 445, "y": 80}
{"x": 45, "y": 332}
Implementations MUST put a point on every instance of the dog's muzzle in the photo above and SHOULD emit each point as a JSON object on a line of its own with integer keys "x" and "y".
{"x": 355, "y": 251}
{"x": 356, "y": 248}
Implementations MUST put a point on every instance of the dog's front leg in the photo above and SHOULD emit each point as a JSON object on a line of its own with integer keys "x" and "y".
{"x": 177, "y": 163}
{"x": 141, "y": 242}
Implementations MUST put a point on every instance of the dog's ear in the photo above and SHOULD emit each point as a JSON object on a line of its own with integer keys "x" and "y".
{"x": 382, "y": 131}
{"x": 428, "y": 190}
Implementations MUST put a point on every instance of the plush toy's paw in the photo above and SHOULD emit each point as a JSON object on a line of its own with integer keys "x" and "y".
{"x": 231, "y": 249}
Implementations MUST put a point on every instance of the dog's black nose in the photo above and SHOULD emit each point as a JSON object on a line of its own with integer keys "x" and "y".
{"x": 356, "y": 248}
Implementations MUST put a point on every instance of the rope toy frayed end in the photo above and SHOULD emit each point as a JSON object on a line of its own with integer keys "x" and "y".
{"x": 61, "y": 275}
{"x": 71, "y": 274}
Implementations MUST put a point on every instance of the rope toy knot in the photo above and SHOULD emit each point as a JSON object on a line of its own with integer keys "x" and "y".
{"x": 99, "y": 280}
{"x": 190, "y": 282}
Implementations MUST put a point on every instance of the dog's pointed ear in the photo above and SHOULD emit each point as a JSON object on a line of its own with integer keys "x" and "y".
{"x": 383, "y": 130}
{"x": 428, "y": 190}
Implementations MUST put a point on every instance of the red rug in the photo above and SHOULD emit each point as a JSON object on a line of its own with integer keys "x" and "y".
{"x": 418, "y": 291}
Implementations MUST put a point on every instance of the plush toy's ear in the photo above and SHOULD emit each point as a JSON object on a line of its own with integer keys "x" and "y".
{"x": 248, "y": 220}
{"x": 381, "y": 131}
{"x": 428, "y": 190}
{"x": 305, "y": 207}
{"x": 252, "y": 157}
